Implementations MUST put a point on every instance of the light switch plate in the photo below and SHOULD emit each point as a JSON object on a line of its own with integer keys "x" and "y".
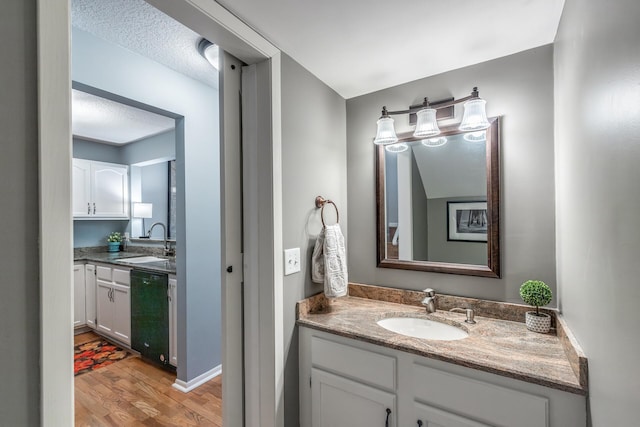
{"x": 291, "y": 261}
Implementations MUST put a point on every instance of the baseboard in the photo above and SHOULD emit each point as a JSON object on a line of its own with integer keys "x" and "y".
{"x": 187, "y": 386}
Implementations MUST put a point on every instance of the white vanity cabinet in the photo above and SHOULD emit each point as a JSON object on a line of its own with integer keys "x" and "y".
{"x": 100, "y": 190}
{"x": 79, "y": 316}
{"x": 173, "y": 320}
{"x": 343, "y": 381}
{"x": 113, "y": 302}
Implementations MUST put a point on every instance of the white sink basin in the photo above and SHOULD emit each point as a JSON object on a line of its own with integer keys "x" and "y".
{"x": 423, "y": 328}
{"x": 141, "y": 259}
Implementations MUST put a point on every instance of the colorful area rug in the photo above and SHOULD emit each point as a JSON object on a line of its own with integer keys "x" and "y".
{"x": 95, "y": 355}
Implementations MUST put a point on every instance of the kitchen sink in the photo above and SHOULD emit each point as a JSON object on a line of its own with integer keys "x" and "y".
{"x": 423, "y": 328}
{"x": 141, "y": 259}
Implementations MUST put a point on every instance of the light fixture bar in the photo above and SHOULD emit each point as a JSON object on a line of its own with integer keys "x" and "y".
{"x": 474, "y": 95}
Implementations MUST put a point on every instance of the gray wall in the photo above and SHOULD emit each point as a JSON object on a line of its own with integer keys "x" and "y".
{"x": 91, "y": 150}
{"x": 420, "y": 211}
{"x": 19, "y": 277}
{"x": 443, "y": 250}
{"x": 162, "y": 146}
{"x": 597, "y": 70}
{"x": 519, "y": 88}
{"x": 313, "y": 163}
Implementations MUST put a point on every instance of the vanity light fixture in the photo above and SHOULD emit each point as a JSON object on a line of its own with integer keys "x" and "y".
{"x": 479, "y": 136}
{"x": 473, "y": 119}
{"x": 434, "y": 142}
{"x": 210, "y": 52}
{"x": 396, "y": 148}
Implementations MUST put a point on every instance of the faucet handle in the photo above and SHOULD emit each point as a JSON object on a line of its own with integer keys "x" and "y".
{"x": 430, "y": 292}
{"x": 468, "y": 311}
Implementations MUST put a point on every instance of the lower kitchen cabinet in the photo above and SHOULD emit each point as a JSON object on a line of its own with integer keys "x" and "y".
{"x": 79, "y": 316}
{"x": 173, "y": 320}
{"x": 113, "y": 304}
{"x": 345, "y": 382}
{"x": 90, "y": 294}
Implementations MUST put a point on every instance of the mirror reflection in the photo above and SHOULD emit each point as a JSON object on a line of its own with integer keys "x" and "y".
{"x": 438, "y": 202}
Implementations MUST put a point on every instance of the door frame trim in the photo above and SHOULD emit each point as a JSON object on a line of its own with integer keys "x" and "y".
{"x": 56, "y": 227}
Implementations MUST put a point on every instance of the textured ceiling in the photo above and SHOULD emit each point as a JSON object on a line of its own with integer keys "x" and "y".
{"x": 360, "y": 46}
{"x": 99, "y": 119}
{"x": 143, "y": 29}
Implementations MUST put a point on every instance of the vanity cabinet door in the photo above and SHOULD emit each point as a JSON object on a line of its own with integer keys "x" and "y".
{"x": 79, "y": 316}
{"x": 428, "y": 416}
{"x": 338, "y": 401}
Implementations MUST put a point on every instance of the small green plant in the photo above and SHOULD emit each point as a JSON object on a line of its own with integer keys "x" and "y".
{"x": 536, "y": 293}
{"x": 114, "y": 237}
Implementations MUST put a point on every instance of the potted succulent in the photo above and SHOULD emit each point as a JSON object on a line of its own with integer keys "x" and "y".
{"x": 538, "y": 294}
{"x": 114, "y": 241}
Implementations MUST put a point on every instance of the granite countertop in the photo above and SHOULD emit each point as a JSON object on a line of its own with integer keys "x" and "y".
{"x": 502, "y": 347}
{"x": 167, "y": 266}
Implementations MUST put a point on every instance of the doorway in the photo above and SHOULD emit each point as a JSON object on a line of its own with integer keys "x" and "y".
{"x": 170, "y": 81}
{"x": 211, "y": 20}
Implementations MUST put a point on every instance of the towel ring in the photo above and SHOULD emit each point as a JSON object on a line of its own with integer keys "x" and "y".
{"x": 321, "y": 202}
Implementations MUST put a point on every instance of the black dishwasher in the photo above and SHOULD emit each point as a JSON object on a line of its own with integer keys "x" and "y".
{"x": 150, "y": 315}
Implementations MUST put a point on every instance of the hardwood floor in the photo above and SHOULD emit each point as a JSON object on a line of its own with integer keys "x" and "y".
{"x": 133, "y": 392}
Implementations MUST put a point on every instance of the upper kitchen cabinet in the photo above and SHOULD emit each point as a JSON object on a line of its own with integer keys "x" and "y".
{"x": 100, "y": 190}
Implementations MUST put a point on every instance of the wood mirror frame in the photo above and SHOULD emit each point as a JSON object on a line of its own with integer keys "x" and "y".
{"x": 492, "y": 269}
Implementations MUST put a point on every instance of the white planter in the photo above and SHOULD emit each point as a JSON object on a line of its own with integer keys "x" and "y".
{"x": 538, "y": 323}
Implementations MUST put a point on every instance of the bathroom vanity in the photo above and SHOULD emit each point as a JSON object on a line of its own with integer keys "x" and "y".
{"x": 354, "y": 372}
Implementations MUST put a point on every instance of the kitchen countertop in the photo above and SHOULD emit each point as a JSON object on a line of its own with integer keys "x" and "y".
{"x": 502, "y": 347}
{"x": 168, "y": 266}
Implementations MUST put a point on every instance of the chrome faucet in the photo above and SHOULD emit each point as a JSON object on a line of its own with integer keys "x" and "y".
{"x": 468, "y": 311}
{"x": 168, "y": 250}
{"x": 430, "y": 300}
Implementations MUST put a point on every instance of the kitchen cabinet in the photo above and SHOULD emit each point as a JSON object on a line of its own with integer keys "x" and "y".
{"x": 173, "y": 320}
{"x": 79, "y": 317}
{"x": 100, "y": 190}
{"x": 343, "y": 381}
{"x": 113, "y": 303}
{"x": 90, "y": 294}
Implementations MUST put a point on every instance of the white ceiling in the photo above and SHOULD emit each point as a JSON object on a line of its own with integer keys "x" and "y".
{"x": 141, "y": 28}
{"x": 102, "y": 120}
{"x": 361, "y": 46}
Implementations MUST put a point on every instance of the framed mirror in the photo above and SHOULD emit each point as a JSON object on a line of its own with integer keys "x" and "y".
{"x": 438, "y": 202}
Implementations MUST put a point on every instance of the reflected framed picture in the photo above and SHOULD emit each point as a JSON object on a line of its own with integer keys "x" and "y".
{"x": 467, "y": 221}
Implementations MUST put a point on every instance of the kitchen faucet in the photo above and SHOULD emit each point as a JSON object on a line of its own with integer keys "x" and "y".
{"x": 168, "y": 251}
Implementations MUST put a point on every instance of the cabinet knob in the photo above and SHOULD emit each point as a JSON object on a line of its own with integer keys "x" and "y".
{"x": 419, "y": 423}
{"x": 230, "y": 269}
{"x": 386, "y": 423}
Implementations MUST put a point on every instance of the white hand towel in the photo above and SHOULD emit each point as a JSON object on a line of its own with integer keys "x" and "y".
{"x": 329, "y": 262}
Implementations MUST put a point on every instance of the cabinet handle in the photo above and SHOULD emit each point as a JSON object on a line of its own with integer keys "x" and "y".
{"x": 94, "y": 208}
{"x": 88, "y": 208}
{"x": 419, "y": 423}
{"x": 386, "y": 423}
